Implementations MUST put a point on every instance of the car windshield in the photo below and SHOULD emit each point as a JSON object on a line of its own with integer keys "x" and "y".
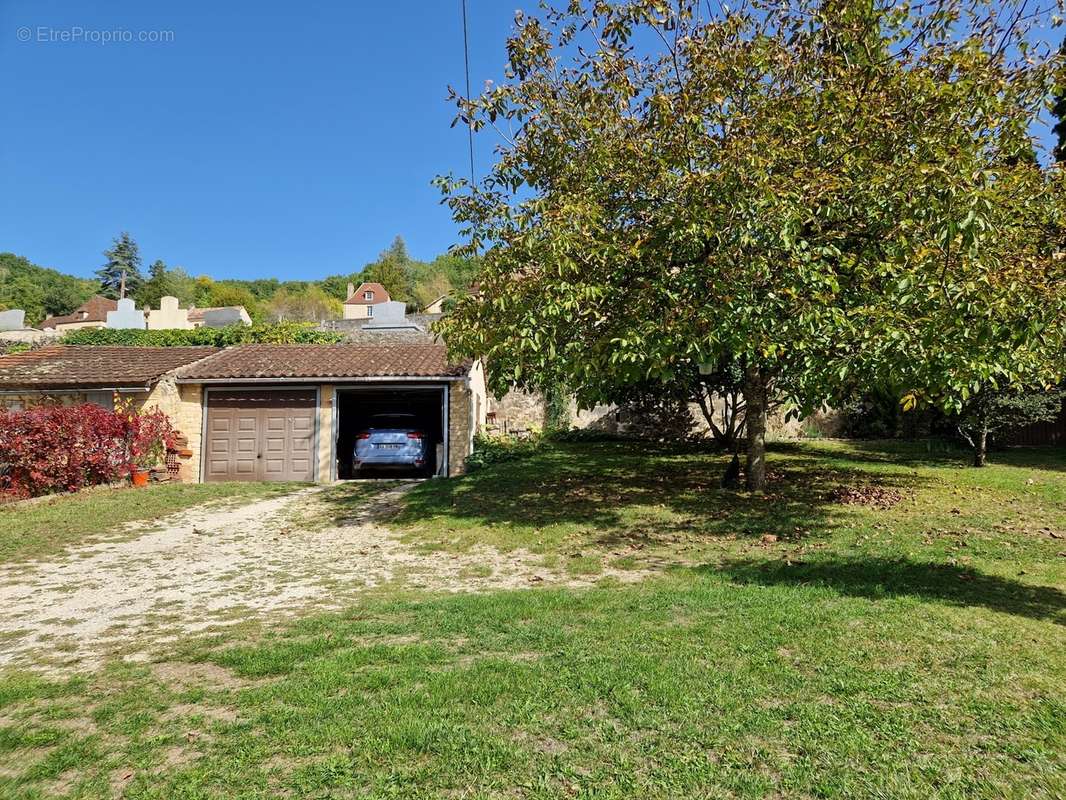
{"x": 392, "y": 421}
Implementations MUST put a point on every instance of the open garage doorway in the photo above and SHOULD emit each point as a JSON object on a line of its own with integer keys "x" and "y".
{"x": 360, "y": 409}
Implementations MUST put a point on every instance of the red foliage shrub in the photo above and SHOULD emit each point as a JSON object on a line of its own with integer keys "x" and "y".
{"x": 147, "y": 435}
{"x": 65, "y": 448}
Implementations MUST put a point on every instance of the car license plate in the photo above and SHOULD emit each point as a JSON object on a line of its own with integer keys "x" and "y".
{"x": 388, "y": 446}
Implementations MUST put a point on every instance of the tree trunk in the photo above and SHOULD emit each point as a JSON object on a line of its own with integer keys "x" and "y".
{"x": 980, "y": 447}
{"x": 980, "y": 438}
{"x": 723, "y": 438}
{"x": 755, "y": 419}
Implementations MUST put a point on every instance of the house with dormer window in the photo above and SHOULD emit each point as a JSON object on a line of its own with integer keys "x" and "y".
{"x": 90, "y": 314}
{"x": 361, "y": 301}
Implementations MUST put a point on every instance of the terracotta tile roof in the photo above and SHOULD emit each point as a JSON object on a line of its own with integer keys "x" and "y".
{"x": 95, "y": 309}
{"x": 315, "y": 361}
{"x": 91, "y": 367}
{"x": 381, "y": 295}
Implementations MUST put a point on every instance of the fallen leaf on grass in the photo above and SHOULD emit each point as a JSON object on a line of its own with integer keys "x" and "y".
{"x": 875, "y": 496}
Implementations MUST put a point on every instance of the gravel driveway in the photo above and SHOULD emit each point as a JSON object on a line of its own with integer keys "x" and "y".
{"x": 209, "y": 567}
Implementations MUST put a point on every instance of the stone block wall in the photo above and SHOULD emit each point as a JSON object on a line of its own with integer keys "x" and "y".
{"x": 460, "y": 426}
{"x": 517, "y": 410}
{"x": 183, "y": 404}
{"x": 326, "y": 396}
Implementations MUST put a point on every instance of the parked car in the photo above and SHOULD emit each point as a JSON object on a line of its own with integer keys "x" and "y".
{"x": 391, "y": 441}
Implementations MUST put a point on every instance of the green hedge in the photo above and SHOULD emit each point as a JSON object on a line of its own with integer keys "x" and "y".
{"x": 497, "y": 448}
{"x": 281, "y": 333}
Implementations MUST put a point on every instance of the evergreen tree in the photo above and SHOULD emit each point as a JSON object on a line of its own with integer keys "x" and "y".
{"x": 123, "y": 257}
{"x": 158, "y": 285}
{"x": 397, "y": 251}
{"x": 393, "y": 270}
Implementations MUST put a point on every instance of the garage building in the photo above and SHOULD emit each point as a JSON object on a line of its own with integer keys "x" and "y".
{"x": 269, "y": 412}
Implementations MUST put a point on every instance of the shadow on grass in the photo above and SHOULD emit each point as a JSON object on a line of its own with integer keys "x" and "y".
{"x": 1050, "y": 457}
{"x": 596, "y": 485}
{"x": 881, "y": 577}
{"x": 943, "y": 453}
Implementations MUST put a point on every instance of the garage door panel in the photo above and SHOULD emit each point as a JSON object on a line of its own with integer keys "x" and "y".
{"x": 261, "y": 435}
{"x": 216, "y": 467}
{"x": 246, "y": 466}
{"x": 275, "y": 468}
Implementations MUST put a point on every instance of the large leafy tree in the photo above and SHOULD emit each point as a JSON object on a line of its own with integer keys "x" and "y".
{"x": 223, "y": 293}
{"x": 123, "y": 267}
{"x": 990, "y": 411}
{"x": 1058, "y": 109}
{"x": 311, "y": 305}
{"x": 39, "y": 291}
{"x": 827, "y": 192}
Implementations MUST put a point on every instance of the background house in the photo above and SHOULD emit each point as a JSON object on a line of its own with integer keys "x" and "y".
{"x": 361, "y": 301}
{"x": 437, "y": 306}
{"x": 90, "y": 314}
{"x": 218, "y": 317}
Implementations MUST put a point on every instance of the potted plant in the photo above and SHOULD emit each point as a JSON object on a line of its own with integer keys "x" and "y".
{"x": 148, "y": 435}
{"x": 139, "y": 475}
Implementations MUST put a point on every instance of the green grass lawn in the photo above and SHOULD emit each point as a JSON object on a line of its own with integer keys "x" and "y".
{"x": 36, "y": 529}
{"x": 885, "y": 622}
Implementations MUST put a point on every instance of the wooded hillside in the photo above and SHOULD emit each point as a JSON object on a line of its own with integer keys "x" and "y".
{"x": 42, "y": 291}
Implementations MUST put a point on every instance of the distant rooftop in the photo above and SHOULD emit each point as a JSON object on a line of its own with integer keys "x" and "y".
{"x": 92, "y": 310}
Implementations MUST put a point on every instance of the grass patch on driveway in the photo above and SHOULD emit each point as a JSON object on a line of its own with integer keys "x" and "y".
{"x": 901, "y": 636}
{"x": 34, "y": 530}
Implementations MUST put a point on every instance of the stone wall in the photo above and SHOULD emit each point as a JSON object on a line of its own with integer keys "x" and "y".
{"x": 326, "y": 395}
{"x": 517, "y": 410}
{"x": 29, "y": 336}
{"x": 416, "y": 329}
{"x": 183, "y": 404}
{"x": 520, "y": 410}
{"x": 460, "y": 426}
{"x": 826, "y": 423}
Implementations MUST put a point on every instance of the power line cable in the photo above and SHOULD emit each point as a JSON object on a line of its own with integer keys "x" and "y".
{"x": 469, "y": 118}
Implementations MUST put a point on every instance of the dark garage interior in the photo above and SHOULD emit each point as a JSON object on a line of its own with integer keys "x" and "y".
{"x": 356, "y": 407}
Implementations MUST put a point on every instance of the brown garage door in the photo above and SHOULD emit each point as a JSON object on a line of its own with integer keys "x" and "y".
{"x": 260, "y": 435}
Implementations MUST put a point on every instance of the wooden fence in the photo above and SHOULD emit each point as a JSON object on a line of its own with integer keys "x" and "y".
{"x": 1041, "y": 433}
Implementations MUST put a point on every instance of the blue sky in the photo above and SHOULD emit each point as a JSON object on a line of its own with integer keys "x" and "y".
{"x": 264, "y": 139}
{"x": 267, "y": 139}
